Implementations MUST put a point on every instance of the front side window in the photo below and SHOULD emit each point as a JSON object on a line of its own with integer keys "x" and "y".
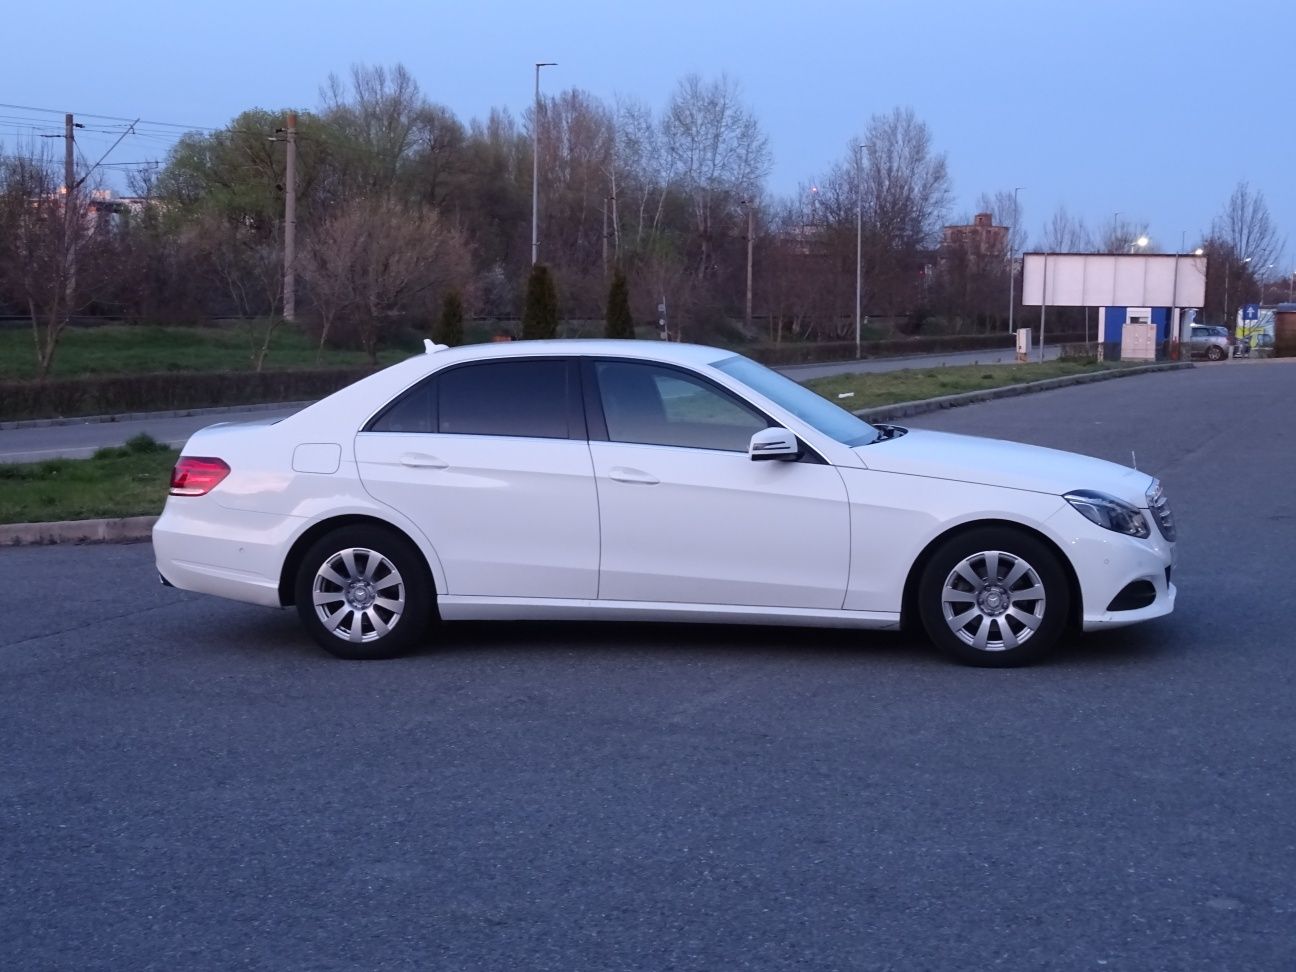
{"x": 518, "y": 398}
{"x": 652, "y": 405}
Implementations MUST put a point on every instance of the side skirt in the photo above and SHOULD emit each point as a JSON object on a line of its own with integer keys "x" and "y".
{"x": 472, "y": 608}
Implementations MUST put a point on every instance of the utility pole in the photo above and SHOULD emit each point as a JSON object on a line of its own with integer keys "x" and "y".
{"x": 751, "y": 237}
{"x": 290, "y": 221}
{"x": 859, "y": 241}
{"x": 70, "y": 229}
{"x": 1012, "y": 261}
{"x": 69, "y": 162}
{"x": 535, "y": 166}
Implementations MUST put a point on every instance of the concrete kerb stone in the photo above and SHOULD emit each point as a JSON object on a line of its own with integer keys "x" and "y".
{"x": 135, "y": 528}
{"x": 123, "y": 529}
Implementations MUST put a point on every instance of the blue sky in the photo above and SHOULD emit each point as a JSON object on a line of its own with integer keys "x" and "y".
{"x": 1148, "y": 107}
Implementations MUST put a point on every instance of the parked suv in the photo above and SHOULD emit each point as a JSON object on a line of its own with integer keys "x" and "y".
{"x": 1209, "y": 340}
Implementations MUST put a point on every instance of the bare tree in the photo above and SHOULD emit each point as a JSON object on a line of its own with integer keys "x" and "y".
{"x": 903, "y": 188}
{"x": 718, "y": 153}
{"x": 1005, "y": 209}
{"x": 377, "y": 113}
{"x": 393, "y": 262}
{"x": 1122, "y": 236}
{"x": 51, "y": 248}
{"x": 1245, "y": 237}
{"x": 1064, "y": 233}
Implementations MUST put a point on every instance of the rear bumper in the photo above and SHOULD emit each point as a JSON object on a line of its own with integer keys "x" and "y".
{"x": 232, "y": 553}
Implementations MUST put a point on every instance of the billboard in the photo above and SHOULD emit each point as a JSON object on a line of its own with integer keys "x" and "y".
{"x": 1113, "y": 280}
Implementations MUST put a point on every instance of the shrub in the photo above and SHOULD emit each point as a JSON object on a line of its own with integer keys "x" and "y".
{"x": 449, "y": 327}
{"x": 540, "y": 315}
{"x": 620, "y": 322}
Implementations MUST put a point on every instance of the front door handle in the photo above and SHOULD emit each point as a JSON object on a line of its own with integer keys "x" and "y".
{"x": 624, "y": 474}
{"x": 421, "y": 460}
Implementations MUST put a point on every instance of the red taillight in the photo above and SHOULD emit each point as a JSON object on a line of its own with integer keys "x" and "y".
{"x": 196, "y": 475}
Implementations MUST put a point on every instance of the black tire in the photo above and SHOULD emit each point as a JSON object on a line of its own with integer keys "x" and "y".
{"x": 398, "y": 575}
{"x": 1215, "y": 353}
{"x": 996, "y": 606}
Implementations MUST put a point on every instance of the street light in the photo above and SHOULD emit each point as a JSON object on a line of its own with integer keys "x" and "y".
{"x": 1141, "y": 242}
{"x": 1012, "y": 269}
{"x": 859, "y": 240}
{"x": 535, "y": 166}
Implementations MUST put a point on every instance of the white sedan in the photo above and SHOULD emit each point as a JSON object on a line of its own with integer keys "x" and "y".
{"x": 654, "y": 482}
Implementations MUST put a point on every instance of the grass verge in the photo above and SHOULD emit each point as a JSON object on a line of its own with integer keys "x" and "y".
{"x": 913, "y": 384}
{"x": 129, "y": 480}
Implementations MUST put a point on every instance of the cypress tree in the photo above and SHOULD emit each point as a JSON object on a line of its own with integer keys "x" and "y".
{"x": 540, "y": 315}
{"x": 449, "y": 326}
{"x": 620, "y": 322}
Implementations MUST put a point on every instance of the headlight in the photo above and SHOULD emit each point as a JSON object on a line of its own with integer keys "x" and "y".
{"x": 1159, "y": 507}
{"x": 1110, "y": 513}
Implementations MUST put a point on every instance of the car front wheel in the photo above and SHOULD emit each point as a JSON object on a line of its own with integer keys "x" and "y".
{"x": 994, "y": 597}
{"x": 364, "y": 593}
{"x": 1215, "y": 353}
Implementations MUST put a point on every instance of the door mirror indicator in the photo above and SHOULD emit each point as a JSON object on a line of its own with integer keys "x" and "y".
{"x": 774, "y": 443}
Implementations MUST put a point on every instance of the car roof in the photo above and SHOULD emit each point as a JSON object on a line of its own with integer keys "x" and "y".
{"x": 668, "y": 351}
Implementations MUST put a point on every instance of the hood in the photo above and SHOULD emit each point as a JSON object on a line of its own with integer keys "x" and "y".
{"x": 994, "y": 462}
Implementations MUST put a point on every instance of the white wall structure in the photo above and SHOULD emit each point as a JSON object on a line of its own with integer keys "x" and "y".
{"x": 1113, "y": 280}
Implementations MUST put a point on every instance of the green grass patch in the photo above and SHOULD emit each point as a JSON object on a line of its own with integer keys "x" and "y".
{"x": 121, "y": 349}
{"x": 129, "y": 480}
{"x": 890, "y": 387}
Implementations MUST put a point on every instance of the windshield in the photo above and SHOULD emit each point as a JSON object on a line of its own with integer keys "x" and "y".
{"x": 815, "y": 410}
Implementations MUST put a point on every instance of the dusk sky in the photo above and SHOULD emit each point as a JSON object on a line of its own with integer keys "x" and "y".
{"x": 1153, "y": 109}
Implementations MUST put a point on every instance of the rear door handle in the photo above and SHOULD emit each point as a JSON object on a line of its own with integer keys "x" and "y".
{"x": 421, "y": 460}
{"x": 624, "y": 474}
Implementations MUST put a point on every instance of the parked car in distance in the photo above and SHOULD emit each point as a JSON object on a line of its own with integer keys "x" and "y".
{"x": 1210, "y": 341}
{"x": 637, "y": 480}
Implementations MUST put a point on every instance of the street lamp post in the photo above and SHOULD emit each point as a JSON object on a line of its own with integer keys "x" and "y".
{"x": 1012, "y": 269}
{"x": 535, "y": 166}
{"x": 859, "y": 241}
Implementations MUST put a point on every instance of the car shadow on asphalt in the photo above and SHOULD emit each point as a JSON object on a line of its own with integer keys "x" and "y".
{"x": 279, "y": 633}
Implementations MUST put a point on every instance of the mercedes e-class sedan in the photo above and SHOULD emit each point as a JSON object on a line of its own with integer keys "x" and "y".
{"x": 646, "y": 481}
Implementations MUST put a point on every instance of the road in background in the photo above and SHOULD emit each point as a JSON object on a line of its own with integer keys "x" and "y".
{"x": 189, "y": 783}
{"x": 79, "y": 440}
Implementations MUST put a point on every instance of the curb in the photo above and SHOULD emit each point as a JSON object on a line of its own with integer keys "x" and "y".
{"x": 134, "y": 528}
{"x": 881, "y": 413}
{"x": 124, "y": 529}
{"x": 146, "y": 416}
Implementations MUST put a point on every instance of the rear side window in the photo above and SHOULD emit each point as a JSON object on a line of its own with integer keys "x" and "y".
{"x": 415, "y": 411}
{"x": 522, "y": 398}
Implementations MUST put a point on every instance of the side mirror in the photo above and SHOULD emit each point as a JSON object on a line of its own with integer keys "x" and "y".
{"x": 774, "y": 444}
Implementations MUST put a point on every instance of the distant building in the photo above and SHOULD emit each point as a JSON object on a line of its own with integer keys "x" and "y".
{"x": 977, "y": 245}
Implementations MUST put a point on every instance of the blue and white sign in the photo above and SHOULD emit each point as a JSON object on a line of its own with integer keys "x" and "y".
{"x": 1250, "y": 312}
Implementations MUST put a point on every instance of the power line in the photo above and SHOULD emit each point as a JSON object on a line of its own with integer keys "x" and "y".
{"x": 119, "y": 118}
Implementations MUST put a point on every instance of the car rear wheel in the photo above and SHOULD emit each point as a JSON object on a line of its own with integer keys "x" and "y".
{"x": 1215, "y": 353}
{"x": 364, "y": 593}
{"x": 994, "y": 597}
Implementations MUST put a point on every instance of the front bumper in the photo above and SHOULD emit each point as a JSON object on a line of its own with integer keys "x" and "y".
{"x": 1106, "y": 563}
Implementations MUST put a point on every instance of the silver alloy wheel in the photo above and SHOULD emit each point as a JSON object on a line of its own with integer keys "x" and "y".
{"x": 358, "y": 594}
{"x": 995, "y": 590}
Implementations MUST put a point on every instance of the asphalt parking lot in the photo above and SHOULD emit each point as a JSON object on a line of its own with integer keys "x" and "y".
{"x": 190, "y": 784}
